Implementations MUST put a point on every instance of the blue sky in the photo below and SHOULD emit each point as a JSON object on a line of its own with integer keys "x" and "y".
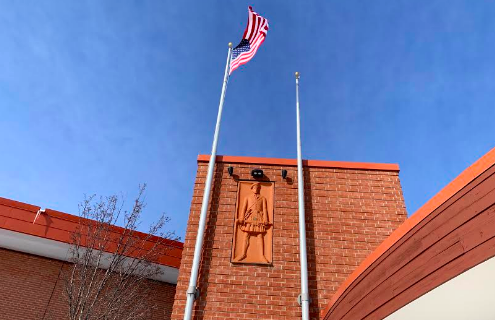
{"x": 100, "y": 96}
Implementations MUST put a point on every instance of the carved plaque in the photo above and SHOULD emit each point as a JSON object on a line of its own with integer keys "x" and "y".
{"x": 253, "y": 223}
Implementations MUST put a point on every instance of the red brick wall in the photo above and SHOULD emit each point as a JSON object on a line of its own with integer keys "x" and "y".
{"x": 348, "y": 213}
{"x": 30, "y": 288}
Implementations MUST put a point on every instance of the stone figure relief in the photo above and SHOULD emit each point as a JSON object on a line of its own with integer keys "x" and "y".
{"x": 253, "y": 224}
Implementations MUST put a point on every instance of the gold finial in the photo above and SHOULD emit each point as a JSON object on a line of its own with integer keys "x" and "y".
{"x": 297, "y": 75}
{"x": 230, "y": 44}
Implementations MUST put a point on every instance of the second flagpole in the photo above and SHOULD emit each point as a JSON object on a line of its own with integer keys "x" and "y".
{"x": 192, "y": 291}
{"x": 304, "y": 296}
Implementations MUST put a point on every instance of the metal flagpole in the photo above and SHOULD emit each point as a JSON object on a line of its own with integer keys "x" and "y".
{"x": 192, "y": 292}
{"x": 304, "y": 296}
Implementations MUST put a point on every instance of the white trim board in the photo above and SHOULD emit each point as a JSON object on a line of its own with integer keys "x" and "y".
{"x": 21, "y": 242}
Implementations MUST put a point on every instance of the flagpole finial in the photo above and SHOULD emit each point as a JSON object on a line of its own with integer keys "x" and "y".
{"x": 230, "y": 44}
{"x": 297, "y": 75}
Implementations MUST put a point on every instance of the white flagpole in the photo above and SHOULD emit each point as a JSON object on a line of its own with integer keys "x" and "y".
{"x": 304, "y": 296}
{"x": 192, "y": 290}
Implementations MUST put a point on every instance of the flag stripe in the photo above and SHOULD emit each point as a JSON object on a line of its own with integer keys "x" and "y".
{"x": 255, "y": 26}
{"x": 249, "y": 26}
{"x": 260, "y": 34}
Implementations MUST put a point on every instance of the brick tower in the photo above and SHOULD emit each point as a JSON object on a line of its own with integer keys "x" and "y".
{"x": 350, "y": 209}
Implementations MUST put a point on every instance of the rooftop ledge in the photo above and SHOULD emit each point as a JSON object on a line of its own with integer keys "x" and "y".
{"x": 306, "y": 163}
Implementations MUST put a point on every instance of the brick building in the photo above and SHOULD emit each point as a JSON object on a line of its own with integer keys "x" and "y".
{"x": 350, "y": 209}
{"x": 32, "y": 256}
{"x": 366, "y": 260}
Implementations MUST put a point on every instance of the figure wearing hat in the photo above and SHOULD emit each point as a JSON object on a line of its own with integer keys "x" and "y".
{"x": 253, "y": 221}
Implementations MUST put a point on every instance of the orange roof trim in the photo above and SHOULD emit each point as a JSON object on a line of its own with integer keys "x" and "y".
{"x": 307, "y": 163}
{"x": 54, "y": 225}
{"x": 468, "y": 175}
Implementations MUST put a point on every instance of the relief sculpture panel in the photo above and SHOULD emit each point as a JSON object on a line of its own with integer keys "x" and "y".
{"x": 253, "y": 223}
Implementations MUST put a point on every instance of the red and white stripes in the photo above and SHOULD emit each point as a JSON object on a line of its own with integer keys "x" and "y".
{"x": 255, "y": 34}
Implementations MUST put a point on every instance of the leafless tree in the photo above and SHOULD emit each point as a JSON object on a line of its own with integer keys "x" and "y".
{"x": 108, "y": 276}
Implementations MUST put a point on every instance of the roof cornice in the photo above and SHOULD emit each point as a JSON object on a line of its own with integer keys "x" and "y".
{"x": 57, "y": 226}
{"x": 306, "y": 163}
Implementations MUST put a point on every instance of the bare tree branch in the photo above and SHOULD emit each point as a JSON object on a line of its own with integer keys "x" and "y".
{"x": 108, "y": 277}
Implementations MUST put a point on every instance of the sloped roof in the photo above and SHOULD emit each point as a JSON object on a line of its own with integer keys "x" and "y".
{"x": 52, "y": 225}
{"x": 451, "y": 233}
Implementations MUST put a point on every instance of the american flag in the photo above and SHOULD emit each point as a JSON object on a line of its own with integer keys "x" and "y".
{"x": 255, "y": 34}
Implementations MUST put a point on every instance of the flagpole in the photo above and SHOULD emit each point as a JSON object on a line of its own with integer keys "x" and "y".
{"x": 304, "y": 296}
{"x": 192, "y": 291}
